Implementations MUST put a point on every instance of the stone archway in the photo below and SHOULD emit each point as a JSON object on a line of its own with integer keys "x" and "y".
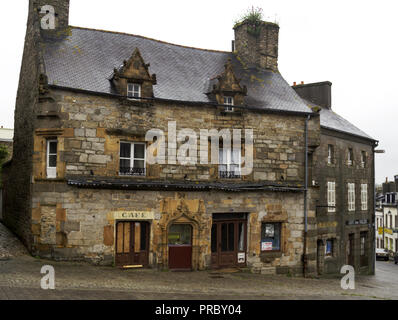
{"x": 192, "y": 212}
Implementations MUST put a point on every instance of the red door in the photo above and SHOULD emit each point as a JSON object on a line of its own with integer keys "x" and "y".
{"x": 180, "y": 247}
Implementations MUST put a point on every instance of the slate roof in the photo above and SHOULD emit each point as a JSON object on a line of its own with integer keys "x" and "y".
{"x": 331, "y": 120}
{"x": 85, "y": 60}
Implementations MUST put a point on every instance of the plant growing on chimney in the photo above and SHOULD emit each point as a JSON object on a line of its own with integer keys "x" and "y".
{"x": 253, "y": 17}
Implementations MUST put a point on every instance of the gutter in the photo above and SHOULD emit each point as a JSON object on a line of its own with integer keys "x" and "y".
{"x": 305, "y": 197}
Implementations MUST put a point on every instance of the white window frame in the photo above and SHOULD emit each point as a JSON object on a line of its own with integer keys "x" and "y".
{"x": 351, "y": 196}
{"x": 227, "y": 154}
{"x": 229, "y": 102}
{"x": 132, "y": 158}
{"x": 131, "y": 91}
{"x": 331, "y": 196}
{"x": 364, "y": 196}
{"x": 51, "y": 171}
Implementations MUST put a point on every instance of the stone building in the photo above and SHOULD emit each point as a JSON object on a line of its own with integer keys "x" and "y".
{"x": 343, "y": 170}
{"x": 84, "y": 186}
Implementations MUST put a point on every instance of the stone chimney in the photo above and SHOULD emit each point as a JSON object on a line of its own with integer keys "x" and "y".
{"x": 319, "y": 93}
{"x": 257, "y": 47}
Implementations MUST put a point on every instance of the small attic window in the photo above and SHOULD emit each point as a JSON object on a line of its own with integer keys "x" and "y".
{"x": 133, "y": 90}
{"x": 229, "y": 102}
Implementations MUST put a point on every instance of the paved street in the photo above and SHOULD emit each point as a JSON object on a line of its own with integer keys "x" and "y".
{"x": 20, "y": 279}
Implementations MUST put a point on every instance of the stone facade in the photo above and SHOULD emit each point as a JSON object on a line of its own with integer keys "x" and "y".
{"x": 74, "y": 214}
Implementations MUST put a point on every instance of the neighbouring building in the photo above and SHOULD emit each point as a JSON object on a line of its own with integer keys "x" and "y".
{"x": 82, "y": 186}
{"x": 6, "y": 138}
{"x": 387, "y": 216}
{"x": 343, "y": 170}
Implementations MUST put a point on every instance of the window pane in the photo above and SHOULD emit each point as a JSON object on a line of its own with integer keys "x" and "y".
{"x": 270, "y": 236}
{"x": 236, "y": 156}
{"x": 231, "y": 237}
{"x": 139, "y": 164}
{"x": 224, "y": 237}
{"x": 52, "y": 160}
{"x": 180, "y": 234}
{"x": 139, "y": 151}
{"x": 125, "y": 150}
{"x": 124, "y": 164}
{"x": 53, "y": 147}
{"x": 241, "y": 232}
{"x": 143, "y": 236}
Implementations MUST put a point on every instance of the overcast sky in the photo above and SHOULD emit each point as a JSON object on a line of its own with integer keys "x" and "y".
{"x": 351, "y": 43}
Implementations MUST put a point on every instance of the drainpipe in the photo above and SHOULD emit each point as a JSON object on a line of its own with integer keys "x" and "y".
{"x": 305, "y": 197}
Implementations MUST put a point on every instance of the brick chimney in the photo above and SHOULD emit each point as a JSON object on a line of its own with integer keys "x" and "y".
{"x": 259, "y": 48}
{"x": 319, "y": 93}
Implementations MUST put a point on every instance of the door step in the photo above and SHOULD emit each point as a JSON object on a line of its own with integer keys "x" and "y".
{"x": 132, "y": 266}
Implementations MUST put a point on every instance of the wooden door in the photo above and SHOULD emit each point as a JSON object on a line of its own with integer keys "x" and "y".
{"x": 180, "y": 247}
{"x": 350, "y": 250}
{"x": 228, "y": 239}
{"x": 132, "y": 243}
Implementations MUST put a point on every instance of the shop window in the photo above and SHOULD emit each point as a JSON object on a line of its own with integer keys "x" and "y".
{"x": 180, "y": 234}
{"x": 271, "y": 237}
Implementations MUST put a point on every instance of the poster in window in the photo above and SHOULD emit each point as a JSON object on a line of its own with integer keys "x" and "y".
{"x": 241, "y": 257}
{"x": 269, "y": 230}
{"x": 266, "y": 246}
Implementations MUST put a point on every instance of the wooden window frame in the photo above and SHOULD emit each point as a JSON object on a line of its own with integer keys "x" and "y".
{"x": 364, "y": 196}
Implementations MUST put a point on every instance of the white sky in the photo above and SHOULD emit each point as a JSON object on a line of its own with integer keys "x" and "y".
{"x": 351, "y": 43}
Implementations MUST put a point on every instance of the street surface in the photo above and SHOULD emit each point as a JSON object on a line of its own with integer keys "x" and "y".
{"x": 20, "y": 280}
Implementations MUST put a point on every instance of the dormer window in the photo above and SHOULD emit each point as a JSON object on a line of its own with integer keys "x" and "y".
{"x": 229, "y": 102}
{"x": 133, "y": 90}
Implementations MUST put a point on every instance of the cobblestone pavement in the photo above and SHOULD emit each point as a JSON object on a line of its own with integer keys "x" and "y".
{"x": 10, "y": 246}
{"x": 20, "y": 279}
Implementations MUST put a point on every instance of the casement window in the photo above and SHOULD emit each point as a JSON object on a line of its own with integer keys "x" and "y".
{"x": 132, "y": 159}
{"x": 52, "y": 146}
{"x": 363, "y": 159}
{"x": 364, "y": 196}
{"x": 351, "y": 196}
{"x": 330, "y": 154}
{"x": 133, "y": 90}
{"x": 229, "y": 102}
{"x": 229, "y": 163}
{"x": 329, "y": 248}
{"x": 271, "y": 236}
{"x": 350, "y": 157}
{"x": 331, "y": 194}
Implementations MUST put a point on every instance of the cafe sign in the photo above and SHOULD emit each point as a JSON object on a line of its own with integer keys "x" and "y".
{"x": 133, "y": 215}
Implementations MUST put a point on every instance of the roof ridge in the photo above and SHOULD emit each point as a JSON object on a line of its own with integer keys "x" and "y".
{"x": 148, "y": 38}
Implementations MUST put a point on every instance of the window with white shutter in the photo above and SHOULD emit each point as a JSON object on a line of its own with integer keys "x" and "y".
{"x": 351, "y": 197}
{"x": 331, "y": 196}
{"x": 364, "y": 196}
